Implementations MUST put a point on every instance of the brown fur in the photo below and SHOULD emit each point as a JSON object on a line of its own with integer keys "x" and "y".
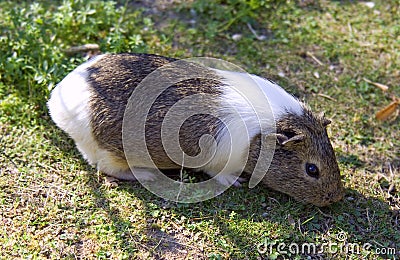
{"x": 114, "y": 79}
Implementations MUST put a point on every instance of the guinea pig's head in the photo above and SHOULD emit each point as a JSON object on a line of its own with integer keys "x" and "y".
{"x": 304, "y": 165}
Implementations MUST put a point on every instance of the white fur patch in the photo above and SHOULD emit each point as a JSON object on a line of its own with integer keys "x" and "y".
{"x": 69, "y": 101}
{"x": 250, "y": 105}
{"x": 69, "y": 109}
{"x": 242, "y": 84}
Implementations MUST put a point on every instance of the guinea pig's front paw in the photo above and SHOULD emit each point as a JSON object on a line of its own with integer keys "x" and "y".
{"x": 229, "y": 180}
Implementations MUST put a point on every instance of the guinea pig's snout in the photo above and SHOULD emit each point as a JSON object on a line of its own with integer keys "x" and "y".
{"x": 334, "y": 196}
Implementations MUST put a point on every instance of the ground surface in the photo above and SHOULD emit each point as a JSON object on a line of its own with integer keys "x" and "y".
{"x": 53, "y": 205}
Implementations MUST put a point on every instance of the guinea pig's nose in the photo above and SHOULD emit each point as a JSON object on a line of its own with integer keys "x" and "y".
{"x": 337, "y": 196}
{"x": 334, "y": 196}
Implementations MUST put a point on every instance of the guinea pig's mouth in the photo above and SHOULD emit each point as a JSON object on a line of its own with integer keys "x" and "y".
{"x": 330, "y": 198}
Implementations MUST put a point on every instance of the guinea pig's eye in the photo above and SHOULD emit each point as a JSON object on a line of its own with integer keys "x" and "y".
{"x": 289, "y": 134}
{"x": 312, "y": 170}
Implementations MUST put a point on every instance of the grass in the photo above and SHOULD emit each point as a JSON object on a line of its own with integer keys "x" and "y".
{"x": 53, "y": 205}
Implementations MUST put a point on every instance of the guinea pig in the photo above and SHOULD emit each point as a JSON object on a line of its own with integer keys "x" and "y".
{"x": 89, "y": 104}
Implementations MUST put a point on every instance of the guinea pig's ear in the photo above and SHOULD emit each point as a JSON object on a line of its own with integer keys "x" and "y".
{"x": 289, "y": 137}
{"x": 325, "y": 121}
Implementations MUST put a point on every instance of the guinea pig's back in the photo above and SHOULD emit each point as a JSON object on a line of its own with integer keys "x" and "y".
{"x": 89, "y": 104}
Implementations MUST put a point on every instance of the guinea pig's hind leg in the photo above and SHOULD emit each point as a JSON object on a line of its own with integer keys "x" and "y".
{"x": 119, "y": 168}
{"x": 125, "y": 175}
{"x": 229, "y": 179}
{"x": 137, "y": 174}
{"x": 144, "y": 174}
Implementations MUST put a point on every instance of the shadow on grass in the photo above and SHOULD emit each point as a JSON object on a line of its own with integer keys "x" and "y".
{"x": 364, "y": 221}
{"x": 240, "y": 219}
{"x": 149, "y": 242}
{"x": 236, "y": 222}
